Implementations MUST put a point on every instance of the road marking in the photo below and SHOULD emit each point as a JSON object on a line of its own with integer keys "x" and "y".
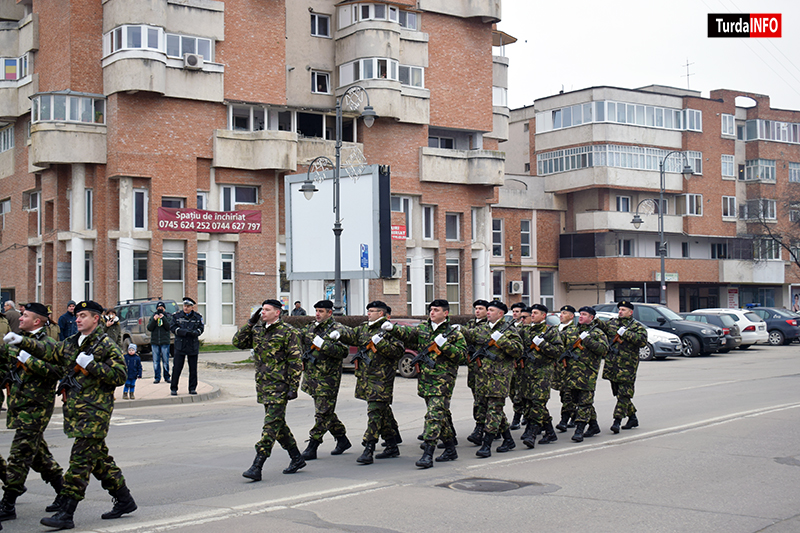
{"x": 58, "y": 420}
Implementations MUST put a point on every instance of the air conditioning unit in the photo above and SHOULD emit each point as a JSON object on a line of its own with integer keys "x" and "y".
{"x": 397, "y": 271}
{"x": 515, "y": 287}
{"x": 192, "y": 61}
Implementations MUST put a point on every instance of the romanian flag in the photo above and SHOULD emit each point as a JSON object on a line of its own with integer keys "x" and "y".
{"x": 11, "y": 69}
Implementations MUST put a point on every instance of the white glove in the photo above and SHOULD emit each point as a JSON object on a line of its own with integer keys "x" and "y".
{"x": 440, "y": 340}
{"x": 496, "y": 336}
{"x": 84, "y": 359}
{"x": 584, "y": 335}
{"x": 23, "y": 356}
{"x": 12, "y": 338}
{"x": 621, "y": 331}
{"x": 387, "y": 326}
{"x": 334, "y": 335}
{"x": 318, "y": 342}
{"x": 457, "y": 327}
{"x": 537, "y": 340}
{"x": 376, "y": 339}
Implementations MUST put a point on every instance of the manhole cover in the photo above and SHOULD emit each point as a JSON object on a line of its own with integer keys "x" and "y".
{"x": 485, "y": 485}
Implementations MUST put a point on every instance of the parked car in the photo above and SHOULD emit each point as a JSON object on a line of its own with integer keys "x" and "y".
{"x": 660, "y": 344}
{"x": 733, "y": 337}
{"x": 783, "y": 326}
{"x": 697, "y": 339}
{"x": 404, "y": 366}
{"x": 751, "y": 326}
{"x": 133, "y": 318}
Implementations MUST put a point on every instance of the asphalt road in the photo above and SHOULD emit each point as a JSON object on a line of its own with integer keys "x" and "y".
{"x": 718, "y": 449}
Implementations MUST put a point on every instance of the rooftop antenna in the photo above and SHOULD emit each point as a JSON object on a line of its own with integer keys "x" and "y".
{"x": 687, "y": 72}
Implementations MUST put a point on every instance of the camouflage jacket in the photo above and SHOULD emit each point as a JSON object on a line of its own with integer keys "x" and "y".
{"x": 497, "y": 367}
{"x": 30, "y": 403}
{"x": 581, "y": 369}
{"x": 535, "y": 367}
{"x": 559, "y": 367}
{"x": 622, "y": 359}
{"x": 439, "y": 379}
{"x": 53, "y": 331}
{"x": 374, "y": 381}
{"x": 277, "y": 352}
{"x": 322, "y": 367}
{"x": 87, "y": 412}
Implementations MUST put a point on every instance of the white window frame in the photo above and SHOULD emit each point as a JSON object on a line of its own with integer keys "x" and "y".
{"x": 760, "y": 170}
{"x": 430, "y": 278}
{"x": 728, "y": 125}
{"x": 229, "y": 304}
{"x": 729, "y": 207}
{"x": 623, "y": 244}
{"x": 88, "y": 276}
{"x": 414, "y": 76}
{"x": 76, "y": 108}
{"x": 175, "y": 256}
{"x": 202, "y": 283}
{"x": 794, "y": 172}
{"x": 689, "y": 205}
{"x": 545, "y": 298}
{"x": 498, "y": 238}
{"x": 316, "y": 76}
{"x": 621, "y": 204}
{"x": 499, "y": 96}
{"x": 450, "y": 264}
{"x": 409, "y": 289}
{"x": 525, "y": 240}
{"x": 35, "y": 206}
{"x": 428, "y": 223}
{"x": 139, "y": 284}
{"x": 408, "y": 20}
{"x": 766, "y": 249}
{"x": 202, "y": 200}
{"x": 437, "y": 140}
{"x": 728, "y": 167}
{"x": 202, "y": 46}
{"x": 452, "y": 217}
{"x": 89, "y": 209}
{"x": 315, "y": 29}
{"x": 357, "y": 70}
{"x": 498, "y": 277}
{"x": 232, "y": 201}
{"x": 5, "y": 207}
{"x": 145, "y": 207}
{"x": 256, "y": 117}
{"x": 39, "y": 275}
{"x": 7, "y": 138}
{"x": 181, "y": 201}
{"x": 405, "y": 207}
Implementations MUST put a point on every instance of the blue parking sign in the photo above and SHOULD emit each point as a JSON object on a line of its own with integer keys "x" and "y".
{"x": 364, "y": 256}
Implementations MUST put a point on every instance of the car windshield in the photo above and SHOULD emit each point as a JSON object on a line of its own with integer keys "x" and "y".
{"x": 669, "y": 313}
{"x": 727, "y": 321}
{"x": 752, "y": 317}
{"x": 150, "y": 308}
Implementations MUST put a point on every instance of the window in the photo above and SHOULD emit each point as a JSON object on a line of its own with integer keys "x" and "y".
{"x": 232, "y": 195}
{"x": 497, "y": 285}
{"x": 132, "y": 37}
{"x": 685, "y": 249}
{"x": 728, "y": 127}
{"x": 739, "y": 133}
{"x": 719, "y": 251}
{"x": 320, "y": 82}
{"x": 525, "y": 127}
{"x": 227, "y": 293}
{"x": 794, "y": 172}
{"x": 760, "y": 209}
{"x": 525, "y": 238}
{"x": 68, "y": 108}
{"x": 497, "y": 237}
{"x": 246, "y": 118}
{"x": 202, "y": 200}
{"x": 320, "y": 25}
{"x": 412, "y": 76}
{"x": 527, "y": 167}
{"x": 409, "y": 291}
{"x": 39, "y": 277}
{"x": 760, "y": 170}
{"x": 452, "y": 225}
{"x": 728, "y": 207}
{"x": 624, "y": 204}
{"x": 140, "y": 275}
{"x": 402, "y": 204}
{"x": 690, "y": 204}
{"x": 15, "y": 68}
{"x": 657, "y": 249}
{"x": 201, "y": 283}
{"x": 5, "y": 207}
{"x": 453, "y": 286}
{"x": 408, "y": 20}
{"x": 427, "y": 223}
{"x": 34, "y": 204}
{"x": 612, "y": 155}
{"x": 88, "y": 276}
{"x": 547, "y": 289}
{"x": 665, "y": 205}
{"x": 89, "y": 209}
{"x": 428, "y": 282}
{"x": 525, "y": 297}
{"x": 368, "y": 69}
{"x": 441, "y": 142}
{"x": 140, "y": 211}
{"x": 177, "y": 45}
{"x": 727, "y": 167}
{"x": 499, "y": 97}
{"x": 625, "y": 247}
{"x": 175, "y": 203}
{"x": 766, "y": 249}
{"x": 693, "y": 119}
{"x": 172, "y": 265}
{"x": 794, "y": 215}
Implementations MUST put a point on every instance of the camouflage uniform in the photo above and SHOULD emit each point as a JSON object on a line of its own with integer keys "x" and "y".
{"x": 435, "y": 384}
{"x": 277, "y": 354}
{"x": 473, "y": 369}
{"x": 375, "y": 381}
{"x": 536, "y": 374}
{"x": 321, "y": 378}
{"x": 580, "y": 377}
{"x": 622, "y": 361}
{"x": 53, "y": 331}
{"x": 518, "y": 402}
{"x": 559, "y": 372}
{"x": 87, "y": 412}
{"x": 30, "y": 406}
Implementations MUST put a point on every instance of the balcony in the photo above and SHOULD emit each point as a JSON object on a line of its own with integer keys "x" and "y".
{"x": 64, "y": 142}
{"x": 747, "y": 271}
{"x": 632, "y": 269}
{"x": 488, "y": 10}
{"x": 191, "y": 17}
{"x": 621, "y": 221}
{"x": 465, "y": 167}
{"x": 611, "y": 177}
{"x": 15, "y": 96}
{"x": 309, "y": 148}
{"x": 257, "y": 150}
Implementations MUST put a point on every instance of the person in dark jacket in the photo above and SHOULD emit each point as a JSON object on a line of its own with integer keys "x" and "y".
{"x": 66, "y": 322}
{"x": 112, "y": 325}
{"x": 159, "y": 327}
{"x": 134, "y": 365}
{"x": 187, "y": 327}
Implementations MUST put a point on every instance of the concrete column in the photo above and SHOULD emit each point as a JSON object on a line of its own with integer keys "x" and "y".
{"x": 125, "y": 249}
{"x": 78, "y": 224}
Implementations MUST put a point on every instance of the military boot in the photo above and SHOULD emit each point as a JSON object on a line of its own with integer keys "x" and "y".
{"x": 63, "y": 518}
{"x": 615, "y": 425}
{"x": 57, "y": 485}
{"x": 632, "y": 422}
{"x": 8, "y": 510}
{"x": 426, "y": 461}
{"x": 366, "y": 457}
{"x": 529, "y": 435}
{"x": 549, "y": 434}
{"x": 486, "y": 448}
{"x": 310, "y": 453}
{"x": 508, "y": 443}
{"x": 562, "y": 425}
{"x": 476, "y": 437}
{"x": 572, "y": 423}
{"x": 578, "y": 436}
{"x": 391, "y": 450}
{"x": 342, "y": 444}
{"x": 297, "y": 461}
{"x": 254, "y": 472}
{"x": 515, "y": 421}
{"x": 450, "y": 453}
{"x": 593, "y": 429}
{"x": 123, "y": 503}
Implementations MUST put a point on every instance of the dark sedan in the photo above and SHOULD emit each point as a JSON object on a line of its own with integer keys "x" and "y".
{"x": 783, "y": 326}
{"x": 733, "y": 337}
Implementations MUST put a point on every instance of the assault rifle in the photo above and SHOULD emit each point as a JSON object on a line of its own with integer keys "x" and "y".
{"x": 309, "y": 357}
{"x": 569, "y": 353}
{"x": 484, "y": 351}
{"x": 529, "y": 353}
{"x": 363, "y": 355}
{"x": 11, "y": 377}
{"x": 68, "y": 383}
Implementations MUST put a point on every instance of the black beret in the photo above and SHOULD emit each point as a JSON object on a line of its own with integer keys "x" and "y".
{"x": 476, "y": 303}
{"x": 274, "y": 303}
{"x": 625, "y": 303}
{"x": 377, "y": 304}
{"x": 323, "y": 304}
{"x": 568, "y": 308}
{"x": 518, "y": 305}
{"x": 39, "y": 309}
{"x": 188, "y": 301}
{"x": 444, "y": 304}
{"x": 498, "y": 304}
{"x": 388, "y": 310}
{"x": 587, "y": 309}
{"x": 540, "y": 307}
{"x": 89, "y": 305}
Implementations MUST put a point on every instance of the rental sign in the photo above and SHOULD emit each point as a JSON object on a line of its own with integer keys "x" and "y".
{"x": 197, "y": 220}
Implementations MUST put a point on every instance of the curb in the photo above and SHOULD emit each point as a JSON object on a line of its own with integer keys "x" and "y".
{"x": 181, "y": 398}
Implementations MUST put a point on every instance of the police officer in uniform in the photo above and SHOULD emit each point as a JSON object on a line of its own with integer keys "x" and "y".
{"x": 187, "y": 325}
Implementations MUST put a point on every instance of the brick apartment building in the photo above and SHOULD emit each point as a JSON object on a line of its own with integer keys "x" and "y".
{"x": 115, "y": 108}
{"x": 598, "y": 151}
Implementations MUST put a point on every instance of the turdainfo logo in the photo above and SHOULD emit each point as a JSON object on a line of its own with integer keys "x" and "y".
{"x": 744, "y": 25}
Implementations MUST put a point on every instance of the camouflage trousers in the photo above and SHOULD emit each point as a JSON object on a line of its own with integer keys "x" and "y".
{"x": 584, "y": 405}
{"x": 380, "y": 422}
{"x": 567, "y": 405}
{"x": 478, "y": 408}
{"x": 623, "y": 390}
{"x": 496, "y": 421}
{"x": 325, "y": 418}
{"x": 438, "y": 421}
{"x": 90, "y": 457}
{"x": 515, "y": 393}
{"x": 29, "y": 451}
{"x": 275, "y": 429}
{"x": 535, "y": 412}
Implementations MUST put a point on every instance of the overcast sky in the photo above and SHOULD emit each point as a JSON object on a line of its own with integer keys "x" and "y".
{"x": 633, "y": 43}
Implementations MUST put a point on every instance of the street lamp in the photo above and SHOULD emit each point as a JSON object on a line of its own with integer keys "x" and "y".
{"x": 637, "y": 220}
{"x": 352, "y": 99}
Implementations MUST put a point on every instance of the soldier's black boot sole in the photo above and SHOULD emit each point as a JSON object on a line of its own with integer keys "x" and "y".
{"x": 254, "y": 472}
{"x": 632, "y": 422}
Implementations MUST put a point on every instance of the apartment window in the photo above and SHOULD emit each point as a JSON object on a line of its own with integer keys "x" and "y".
{"x": 665, "y": 205}
{"x": 368, "y": 69}
{"x": 693, "y": 119}
{"x": 499, "y": 97}
{"x": 739, "y": 133}
{"x": 320, "y": 25}
{"x": 202, "y": 200}
{"x": 525, "y": 127}
{"x": 547, "y": 289}
{"x": 452, "y": 225}
{"x": 728, "y": 127}
{"x": 766, "y": 249}
{"x": 428, "y": 282}
{"x": 624, "y": 204}
{"x": 133, "y": 37}
{"x": 760, "y": 209}
{"x": 625, "y": 247}
{"x": 15, "y": 68}
{"x": 794, "y": 215}
{"x": 612, "y": 155}
{"x": 719, "y": 250}
{"x": 174, "y": 203}
{"x": 34, "y": 206}
{"x": 39, "y": 276}
{"x": 685, "y": 249}
{"x": 727, "y": 167}
{"x": 172, "y": 270}
{"x": 412, "y": 76}
{"x": 402, "y": 204}
{"x": 427, "y": 223}
{"x": 728, "y": 207}
{"x": 201, "y": 283}
{"x": 284, "y": 279}
{"x": 247, "y": 118}
{"x": 320, "y": 82}
{"x": 453, "y": 285}
{"x": 760, "y": 170}
{"x": 657, "y": 249}
{"x": 408, "y": 20}
{"x": 409, "y": 291}
{"x": 68, "y": 108}
{"x": 177, "y": 45}
{"x": 89, "y": 209}
{"x": 227, "y": 293}
{"x": 525, "y": 238}
{"x": 690, "y": 204}
{"x": 497, "y": 285}
{"x": 527, "y": 167}
{"x": 140, "y": 210}
{"x": 794, "y": 172}
{"x": 441, "y": 142}
{"x": 88, "y": 276}
{"x": 525, "y": 297}
{"x": 497, "y": 237}
{"x": 232, "y": 195}
{"x": 7, "y": 138}
{"x": 5, "y": 207}
{"x": 140, "y": 275}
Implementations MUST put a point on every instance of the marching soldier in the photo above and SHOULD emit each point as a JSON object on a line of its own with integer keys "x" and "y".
{"x": 567, "y": 318}
{"x": 440, "y": 349}
{"x": 276, "y": 350}
{"x": 478, "y": 404}
{"x": 586, "y": 345}
{"x": 517, "y": 402}
{"x": 322, "y": 365}
{"x": 622, "y": 360}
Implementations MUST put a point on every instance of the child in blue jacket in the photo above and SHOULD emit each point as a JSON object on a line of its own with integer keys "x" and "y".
{"x": 134, "y": 364}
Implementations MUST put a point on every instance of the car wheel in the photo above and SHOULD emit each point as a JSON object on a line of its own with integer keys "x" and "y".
{"x": 691, "y": 346}
{"x": 776, "y": 338}
{"x": 646, "y": 352}
{"x": 405, "y": 368}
